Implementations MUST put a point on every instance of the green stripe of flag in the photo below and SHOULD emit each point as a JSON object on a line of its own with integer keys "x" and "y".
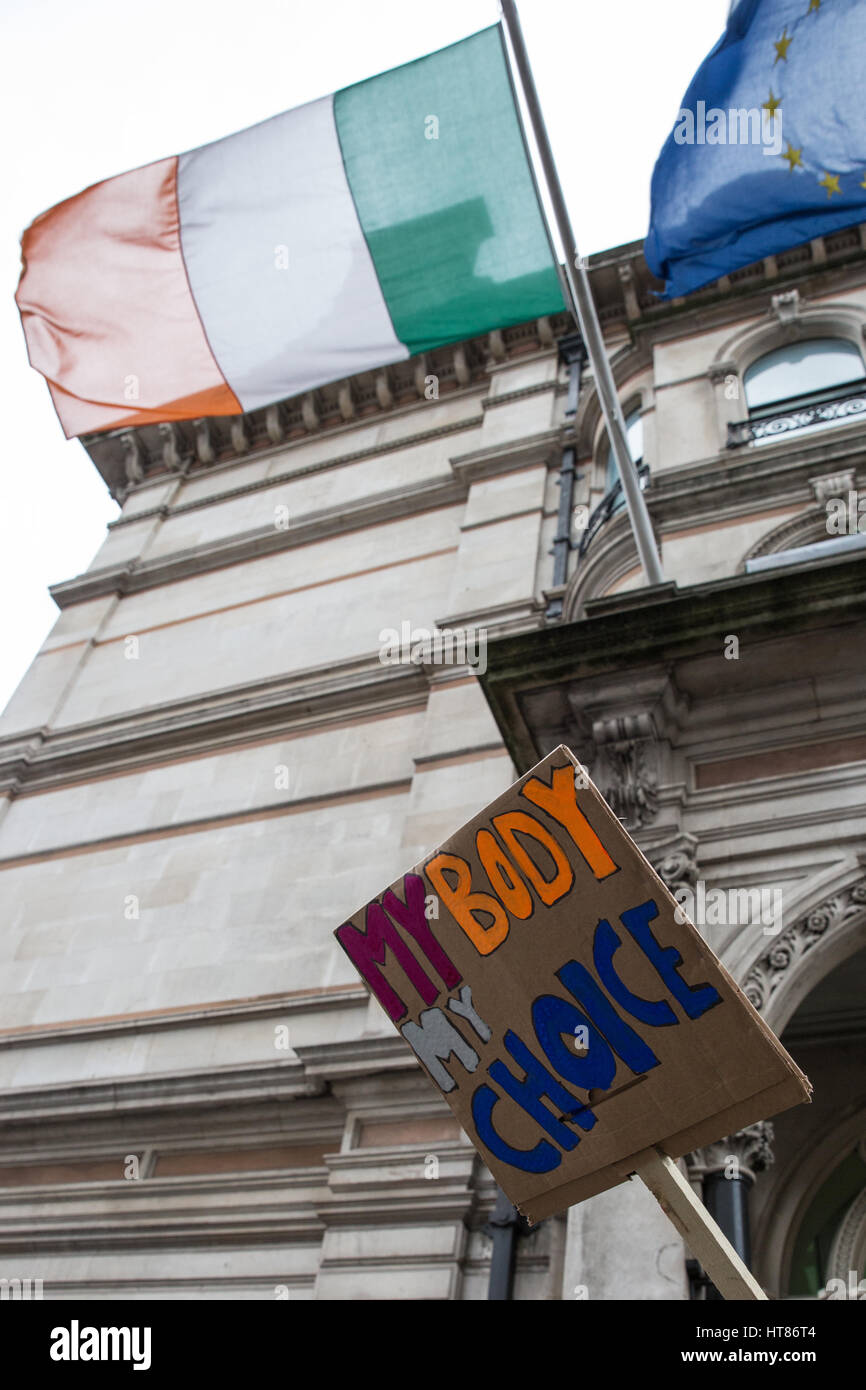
{"x": 438, "y": 170}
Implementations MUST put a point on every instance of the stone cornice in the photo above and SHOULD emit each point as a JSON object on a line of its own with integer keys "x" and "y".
{"x": 663, "y": 625}
{"x": 159, "y": 1103}
{"x": 135, "y": 575}
{"x": 533, "y": 450}
{"x": 358, "y": 688}
{"x": 285, "y": 1080}
{"x": 734, "y": 484}
{"x": 719, "y": 488}
{"x": 216, "y": 1210}
{"x": 338, "y": 1060}
{"x": 299, "y": 1181}
{"x": 128, "y": 458}
{"x": 363, "y": 1188}
{"x": 192, "y": 826}
{"x": 312, "y": 699}
{"x": 221, "y": 1014}
{"x": 373, "y": 1186}
{"x": 625, "y": 292}
{"x": 508, "y": 397}
{"x": 153, "y": 1133}
{"x": 290, "y": 475}
{"x": 828, "y": 264}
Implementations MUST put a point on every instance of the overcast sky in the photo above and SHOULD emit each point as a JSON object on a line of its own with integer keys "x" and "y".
{"x": 91, "y": 88}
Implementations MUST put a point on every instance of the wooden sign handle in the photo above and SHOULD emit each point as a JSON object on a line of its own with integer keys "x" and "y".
{"x": 706, "y": 1240}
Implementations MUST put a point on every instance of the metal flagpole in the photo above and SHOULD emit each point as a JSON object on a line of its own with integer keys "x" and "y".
{"x": 583, "y": 307}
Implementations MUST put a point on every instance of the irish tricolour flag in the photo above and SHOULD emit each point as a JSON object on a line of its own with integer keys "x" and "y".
{"x": 395, "y": 216}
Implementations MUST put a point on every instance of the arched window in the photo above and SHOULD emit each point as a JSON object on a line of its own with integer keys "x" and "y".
{"x": 634, "y": 435}
{"x": 804, "y": 386}
{"x": 811, "y": 1264}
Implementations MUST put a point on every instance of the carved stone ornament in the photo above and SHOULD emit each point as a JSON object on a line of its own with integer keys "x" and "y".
{"x": 274, "y": 424}
{"x": 848, "y": 1251}
{"x": 384, "y": 394}
{"x": 676, "y": 864}
{"x": 718, "y": 372}
{"x": 132, "y": 459}
{"x": 205, "y": 452}
{"x": 169, "y": 437}
{"x": 786, "y": 307}
{"x": 240, "y": 439}
{"x": 626, "y": 770}
{"x": 629, "y": 291}
{"x": 309, "y": 412}
{"x": 744, "y": 1154}
{"x": 496, "y": 344}
{"x": 796, "y": 941}
{"x": 345, "y": 401}
{"x": 833, "y": 485}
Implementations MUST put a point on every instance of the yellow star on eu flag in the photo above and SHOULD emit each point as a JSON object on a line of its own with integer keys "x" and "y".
{"x": 782, "y": 45}
{"x": 772, "y": 106}
{"x": 814, "y": 5}
{"x": 793, "y": 156}
{"x": 831, "y": 183}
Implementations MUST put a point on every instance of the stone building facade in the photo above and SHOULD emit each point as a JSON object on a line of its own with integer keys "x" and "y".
{"x": 223, "y": 749}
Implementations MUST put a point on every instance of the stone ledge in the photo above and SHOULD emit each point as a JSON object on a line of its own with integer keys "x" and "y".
{"x": 216, "y": 1085}
{"x": 230, "y": 1011}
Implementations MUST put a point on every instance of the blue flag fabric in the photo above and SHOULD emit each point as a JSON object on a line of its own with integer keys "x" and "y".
{"x": 769, "y": 149}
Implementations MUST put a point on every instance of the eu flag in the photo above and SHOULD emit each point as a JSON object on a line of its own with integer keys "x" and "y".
{"x": 769, "y": 149}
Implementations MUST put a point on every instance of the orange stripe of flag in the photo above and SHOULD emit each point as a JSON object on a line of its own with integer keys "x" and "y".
{"x": 107, "y": 308}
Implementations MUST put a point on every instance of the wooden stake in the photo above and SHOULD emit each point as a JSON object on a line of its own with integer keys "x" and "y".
{"x": 707, "y": 1242}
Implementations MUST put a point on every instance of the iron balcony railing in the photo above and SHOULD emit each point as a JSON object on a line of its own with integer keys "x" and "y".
{"x": 795, "y": 418}
{"x": 606, "y": 508}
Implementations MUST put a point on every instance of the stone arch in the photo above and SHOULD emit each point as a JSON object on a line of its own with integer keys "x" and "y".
{"x": 848, "y": 1250}
{"x": 826, "y": 925}
{"x": 776, "y": 1233}
{"x": 787, "y": 967}
{"x": 821, "y": 936}
{"x": 625, "y": 365}
{"x": 611, "y": 556}
{"x": 809, "y": 528}
{"x": 789, "y": 321}
{"x": 747, "y": 344}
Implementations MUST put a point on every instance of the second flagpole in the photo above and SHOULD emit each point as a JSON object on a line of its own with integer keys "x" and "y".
{"x": 583, "y": 307}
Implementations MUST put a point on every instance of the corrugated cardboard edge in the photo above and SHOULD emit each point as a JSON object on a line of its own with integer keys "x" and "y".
{"x": 761, "y": 1106}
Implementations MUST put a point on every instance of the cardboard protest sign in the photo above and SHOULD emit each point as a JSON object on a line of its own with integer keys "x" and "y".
{"x": 536, "y": 965}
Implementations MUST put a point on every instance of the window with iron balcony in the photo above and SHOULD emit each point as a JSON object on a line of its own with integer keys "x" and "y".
{"x": 802, "y": 387}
